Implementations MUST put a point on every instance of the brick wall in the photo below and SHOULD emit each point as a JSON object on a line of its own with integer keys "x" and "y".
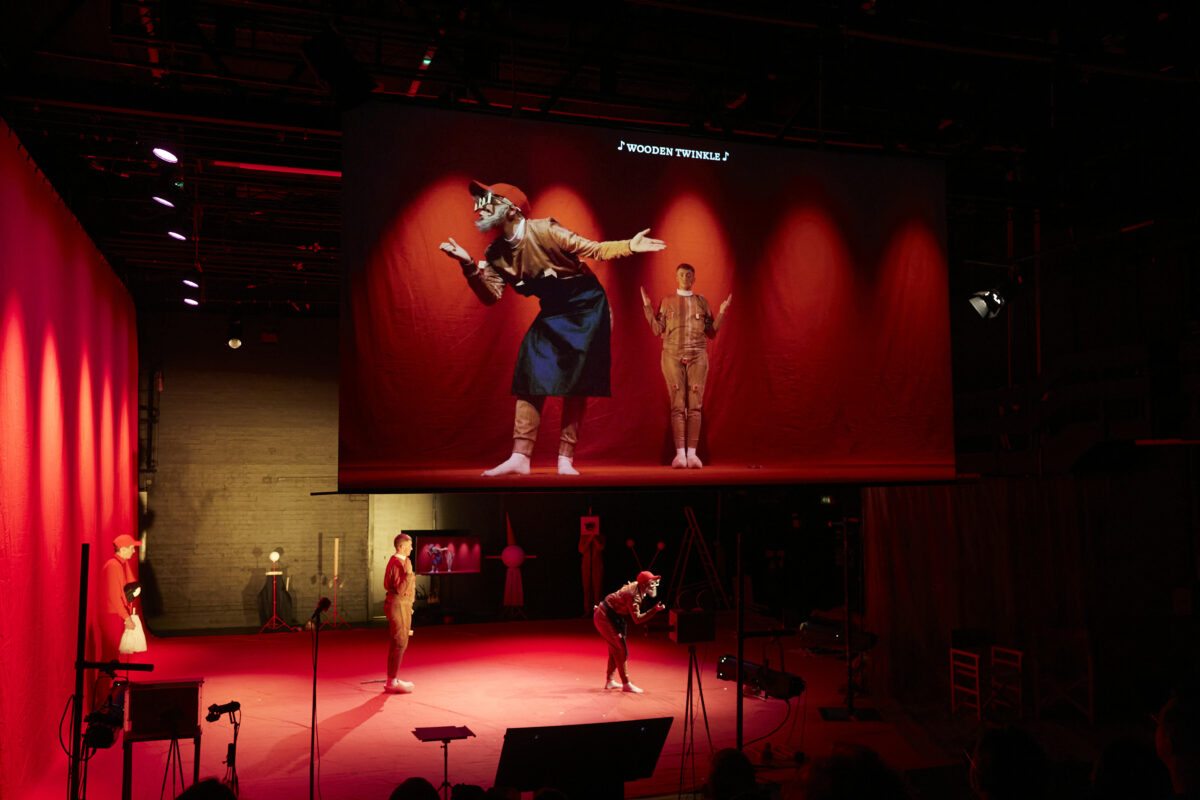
{"x": 242, "y": 441}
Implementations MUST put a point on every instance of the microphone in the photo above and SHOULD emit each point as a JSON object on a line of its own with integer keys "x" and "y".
{"x": 322, "y": 607}
{"x": 215, "y": 711}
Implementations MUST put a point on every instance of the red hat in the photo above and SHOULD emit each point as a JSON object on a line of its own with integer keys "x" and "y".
{"x": 506, "y": 190}
{"x": 645, "y": 576}
{"x": 125, "y": 540}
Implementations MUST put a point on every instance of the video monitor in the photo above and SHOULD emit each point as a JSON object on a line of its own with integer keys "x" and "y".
{"x": 809, "y": 341}
{"x": 445, "y": 552}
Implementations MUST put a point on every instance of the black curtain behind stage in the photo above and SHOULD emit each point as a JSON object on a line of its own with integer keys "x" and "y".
{"x": 1027, "y": 558}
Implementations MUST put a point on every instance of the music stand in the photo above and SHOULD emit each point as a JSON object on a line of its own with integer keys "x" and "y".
{"x": 445, "y": 734}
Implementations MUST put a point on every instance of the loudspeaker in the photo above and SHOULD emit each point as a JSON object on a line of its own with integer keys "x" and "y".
{"x": 778, "y": 684}
{"x": 690, "y": 627}
{"x": 163, "y": 710}
{"x": 587, "y": 762}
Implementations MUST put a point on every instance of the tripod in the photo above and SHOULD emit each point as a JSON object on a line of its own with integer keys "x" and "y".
{"x": 173, "y": 760}
{"x": 689, "y": 718}
{"x": 275, "y": 623}
{"x": 335, "y": 619}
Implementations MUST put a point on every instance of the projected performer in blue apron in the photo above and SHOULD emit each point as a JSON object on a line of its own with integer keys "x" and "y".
{"x": 565, "y": 352}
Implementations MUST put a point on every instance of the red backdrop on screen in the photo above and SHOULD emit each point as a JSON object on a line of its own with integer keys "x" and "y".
{"x": 833, "y": 362}
{"x": 68, "y": 454}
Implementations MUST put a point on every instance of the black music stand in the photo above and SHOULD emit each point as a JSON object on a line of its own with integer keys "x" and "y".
{"x": 445, "y": 734}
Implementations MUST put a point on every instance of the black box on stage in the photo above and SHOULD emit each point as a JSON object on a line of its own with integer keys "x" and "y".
{"x": 157, "y": 710}
{"x": 588, "y": 762}
{"x": 691, "y": 627}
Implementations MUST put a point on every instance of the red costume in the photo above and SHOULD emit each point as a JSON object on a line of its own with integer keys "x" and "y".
{"x": 611, "y": 617}
{"x": 401, "y": 585}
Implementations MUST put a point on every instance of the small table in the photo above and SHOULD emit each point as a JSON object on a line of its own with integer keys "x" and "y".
{"x": 445, "y": 735}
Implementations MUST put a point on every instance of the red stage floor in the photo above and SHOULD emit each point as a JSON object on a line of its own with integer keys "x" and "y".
{"x": 487, "y": 677}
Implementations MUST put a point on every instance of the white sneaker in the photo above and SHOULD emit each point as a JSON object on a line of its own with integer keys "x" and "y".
{"x": 612, "y": 684}
{"x": 629, "y": 687}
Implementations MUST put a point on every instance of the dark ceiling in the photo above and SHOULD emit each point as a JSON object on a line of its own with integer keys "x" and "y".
{"x": 1082, "y": 114}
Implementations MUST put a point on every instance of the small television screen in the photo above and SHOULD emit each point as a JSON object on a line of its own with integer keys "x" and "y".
{"x": 445, "y": 552}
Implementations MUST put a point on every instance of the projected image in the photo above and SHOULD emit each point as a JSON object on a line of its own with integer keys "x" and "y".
{"x": 505, "y": 275}
{"x": 443, "y": 553}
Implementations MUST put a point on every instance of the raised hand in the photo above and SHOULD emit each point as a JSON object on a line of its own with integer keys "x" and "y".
{"x": 725, "y": 305}
{"x": 645, "y": 297}
{"x": 455, "y": 250}
{"x": 641, "y": 243}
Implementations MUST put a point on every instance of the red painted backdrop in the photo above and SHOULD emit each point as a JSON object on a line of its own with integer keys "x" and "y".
{"x": 834, "y": 360}
{"x": 68, "y": 453}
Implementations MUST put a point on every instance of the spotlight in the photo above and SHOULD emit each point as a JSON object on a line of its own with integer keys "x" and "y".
{"x": 177, "y": 235}
{"x": 165, "y": 155}
{"x": 988, "y": 303}
{"x": 162, "y": 201}
{"x": 191, "y": 301}
{"x": 275, "y": 554}
{"x": 234, "y": 340}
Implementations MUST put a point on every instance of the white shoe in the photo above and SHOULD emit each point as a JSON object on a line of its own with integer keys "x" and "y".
{"x": 679, "y": 462}
{"x": 629, "y": 687}
{"x": 516, "y": 464}
{"x": 565, "y": 466}
{"x": 612, "y": 684}
{"x": 694, "y": 462}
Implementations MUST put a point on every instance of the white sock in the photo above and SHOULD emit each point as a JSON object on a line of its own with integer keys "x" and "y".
{"x": 680, "y": 461}
{"x": 565, "y": 467}
{"x": 517, "y": 464}
{"x": 693, "y": 460}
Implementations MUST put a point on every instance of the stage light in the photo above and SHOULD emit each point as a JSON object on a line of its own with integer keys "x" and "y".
{"x": 191, "y": 301}
{"x": 988, "y": 303}
{"x": 275, "y": 554}
{"x": 165, "y": 155}
{"x": 191, "y": 282}
{"x": 177, "y": 235}
{"x": 772, "y": 682}
{"x": 234, "y": 339}
{"x": 162, "y": 201}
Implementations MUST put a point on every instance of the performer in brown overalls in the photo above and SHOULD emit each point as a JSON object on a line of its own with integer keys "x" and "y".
{"x": 685, "y": 323}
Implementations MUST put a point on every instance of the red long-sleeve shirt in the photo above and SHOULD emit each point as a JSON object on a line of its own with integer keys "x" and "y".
{"x": 115, "y": 573}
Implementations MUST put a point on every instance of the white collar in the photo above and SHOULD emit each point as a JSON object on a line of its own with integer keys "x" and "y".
{"x": 682, "y": 293}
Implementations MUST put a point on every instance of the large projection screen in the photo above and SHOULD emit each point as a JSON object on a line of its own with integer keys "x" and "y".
{"x": 831, "y": 364}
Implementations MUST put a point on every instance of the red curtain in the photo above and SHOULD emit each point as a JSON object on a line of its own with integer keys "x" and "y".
{"x": 68, "y": 453}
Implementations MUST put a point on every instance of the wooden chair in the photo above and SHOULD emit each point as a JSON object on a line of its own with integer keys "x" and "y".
{"x": 964, "y": 681}
{"x": 1007, "y": 679}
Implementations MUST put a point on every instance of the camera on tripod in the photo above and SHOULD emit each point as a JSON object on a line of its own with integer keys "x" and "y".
{"x": 105, "y": 721}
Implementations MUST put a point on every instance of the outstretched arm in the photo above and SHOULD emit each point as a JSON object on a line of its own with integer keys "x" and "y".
{"x": 639, "y": 617}
{"x": 487, "y": 285}
{"x": 655, "y": 321}
{"x": 716, "y": 326}
{"x": 641, "y": 243}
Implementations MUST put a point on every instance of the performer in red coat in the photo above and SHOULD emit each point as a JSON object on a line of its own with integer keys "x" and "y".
{"x": 400, "y": 583}
{"x": 116, "y": 610}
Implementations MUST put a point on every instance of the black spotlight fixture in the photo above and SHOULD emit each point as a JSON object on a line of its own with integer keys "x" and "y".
{"x": 987, "y": 303}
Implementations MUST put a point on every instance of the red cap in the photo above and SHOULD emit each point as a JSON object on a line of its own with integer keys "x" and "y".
{"x": 645, "y": 576}
{"x": 506, "y": 190}
{"x": 125, "y": 540}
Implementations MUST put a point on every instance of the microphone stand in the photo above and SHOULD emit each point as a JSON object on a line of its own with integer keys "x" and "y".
{"x": 315, "y": 620}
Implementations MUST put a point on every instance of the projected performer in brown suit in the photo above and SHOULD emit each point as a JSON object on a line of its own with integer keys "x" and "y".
{"x": 565, "y": 352}
{"x": 685, "y": 322}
